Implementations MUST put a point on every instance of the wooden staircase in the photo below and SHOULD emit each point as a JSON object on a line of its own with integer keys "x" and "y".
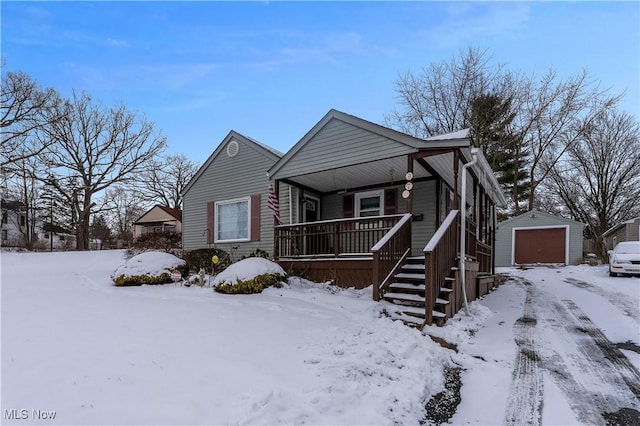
{"x": 407, "y": 292}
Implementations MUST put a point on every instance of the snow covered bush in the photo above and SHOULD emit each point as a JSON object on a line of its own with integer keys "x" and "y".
{"x": 248, "y": 276}
{"x": 148, "y": 268}
{"x": 254, "y": 285}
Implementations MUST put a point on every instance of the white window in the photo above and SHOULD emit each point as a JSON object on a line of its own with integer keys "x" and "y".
{"x": 232, "y": 219}
{"x": 369, "y": 203}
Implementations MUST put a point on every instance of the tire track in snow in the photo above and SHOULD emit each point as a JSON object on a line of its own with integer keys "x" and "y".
{"x": 526, "y": 393}
{"x": 595, "y": 376}
{"x": 628, "y": 371}
{"x": 619, "y": 300}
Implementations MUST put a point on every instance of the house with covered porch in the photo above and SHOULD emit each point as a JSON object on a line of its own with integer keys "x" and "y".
{"x": 368, "y": 205}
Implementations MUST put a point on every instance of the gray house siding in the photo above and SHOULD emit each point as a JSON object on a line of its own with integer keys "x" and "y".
{"x": 424, "y": 203}
{"x": 227, "y": 178}
{"x": 536, "y": 219}
{"x": 338, "y": 144}
{"x": 627, "y": 231}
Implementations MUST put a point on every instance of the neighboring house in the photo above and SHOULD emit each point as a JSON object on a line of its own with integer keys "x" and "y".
{"x": 14, "y": 218}
{"x": 158, "y": 219}
{"x": 45, "y": 236}
{"x": 539, "y": 238}
{"x": 55, "y": 237}
{"x": 225, "y": 203}
{"x": 370, "y": 205}
{"x": 626, "y": 231}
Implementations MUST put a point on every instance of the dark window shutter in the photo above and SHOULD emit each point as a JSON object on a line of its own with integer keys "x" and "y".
{"x": 390, "y": 201}
{"x": 255, "y": 218}
{"x": 347, "y": 205}
{"x": 211, "y": 222}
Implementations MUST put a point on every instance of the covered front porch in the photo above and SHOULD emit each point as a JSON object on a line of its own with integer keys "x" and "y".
{"x": 365, "y": 205}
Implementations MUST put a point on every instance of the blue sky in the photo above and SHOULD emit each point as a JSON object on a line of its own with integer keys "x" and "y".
{"x": 271, "y": 70}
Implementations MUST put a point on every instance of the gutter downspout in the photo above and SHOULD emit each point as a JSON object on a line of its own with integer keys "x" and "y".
{"x": 463, "y": 227}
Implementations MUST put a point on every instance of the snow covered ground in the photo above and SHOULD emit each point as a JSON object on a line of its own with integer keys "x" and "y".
{"x": 82, "y": 351}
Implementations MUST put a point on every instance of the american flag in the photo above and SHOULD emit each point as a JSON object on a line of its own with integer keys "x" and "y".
{"x": 274, "y": 204}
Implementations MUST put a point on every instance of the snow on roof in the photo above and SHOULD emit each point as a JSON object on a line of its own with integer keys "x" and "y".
{"x": 620, "y": 225}
{"x": 460, "y": 134}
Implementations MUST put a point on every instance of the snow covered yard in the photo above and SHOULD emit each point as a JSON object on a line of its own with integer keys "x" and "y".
{"x": 98, "y": 354}
{"x": 550, "y": 346}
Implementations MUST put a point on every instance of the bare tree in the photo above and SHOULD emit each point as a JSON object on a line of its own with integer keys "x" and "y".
{"x": 98, "y": 147}
{"x": 548, "y": 110}
{"x": 599, "y": 178}
{"x": 439, "y": 99}
{"x": 165, "y": 180}
{"x": 124, "y": 208}
{"x": 552, "y": 116}
{"x": 24, "y": 108}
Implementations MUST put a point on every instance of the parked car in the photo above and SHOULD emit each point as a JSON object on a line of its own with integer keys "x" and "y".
{"x": 625, "y": 259}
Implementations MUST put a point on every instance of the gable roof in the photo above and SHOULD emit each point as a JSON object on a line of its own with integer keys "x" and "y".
{"x": 266, "y": 151}
{"x": 539, "y": 213}
{"x": 620, "y": 225}
{"x": 411, "y": 143}
{"x": 174, "y": 213}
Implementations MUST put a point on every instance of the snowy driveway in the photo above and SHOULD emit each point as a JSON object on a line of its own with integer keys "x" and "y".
{"x": 575, "y": 335}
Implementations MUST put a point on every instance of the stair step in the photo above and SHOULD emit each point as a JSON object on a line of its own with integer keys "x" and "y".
{"x": 406, "y": 297}
{"x": 451, "y": 279}
{"x": 415, "y": 311}
{"x": 409, "y": 276}
{"x": 441, "y": 302}
{"x": 408, "y": 319}
{"x": 413, "y": 267}
{"x": 446, "y": 290}
{"x": 407, "y": 286}
{"x": 437, "y": 314}
{"x": 415, "y": 258}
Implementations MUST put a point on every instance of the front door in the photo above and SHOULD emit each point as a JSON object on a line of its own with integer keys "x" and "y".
{"x": 315, "y": 239}
{"x": 310, "y": 209}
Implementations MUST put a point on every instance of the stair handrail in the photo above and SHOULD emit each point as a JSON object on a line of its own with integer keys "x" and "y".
{"x": 389, "y": 253}
{"x": 439, "y": 256}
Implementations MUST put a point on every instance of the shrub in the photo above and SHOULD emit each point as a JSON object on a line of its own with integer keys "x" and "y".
{"x": 254, "y": 285}
{"x": 163, "y": 241}
{"x": 257, "y": 253}
{"x": 201, "y": 258}
{"x": 133, "y": 280}
{"x": 149, "y": 268}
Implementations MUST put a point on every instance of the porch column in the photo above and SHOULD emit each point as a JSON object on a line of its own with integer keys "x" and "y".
{"x": 276, "y": 242}
{"x": 456, "y": 192}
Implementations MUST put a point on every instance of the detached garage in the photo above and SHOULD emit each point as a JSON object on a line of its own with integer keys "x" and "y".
{"x": 537, "y": 237}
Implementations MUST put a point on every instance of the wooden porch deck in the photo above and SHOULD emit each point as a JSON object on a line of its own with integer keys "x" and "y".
{"x": 376, "y": 251}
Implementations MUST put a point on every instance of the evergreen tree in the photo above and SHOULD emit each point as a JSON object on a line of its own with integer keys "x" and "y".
{"x": 491, "y": 126}
{"x": 100, "y": 230}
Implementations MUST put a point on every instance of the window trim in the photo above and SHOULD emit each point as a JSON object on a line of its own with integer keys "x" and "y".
{"x": 217, "y": 220}
{"x": 368, "y": 194}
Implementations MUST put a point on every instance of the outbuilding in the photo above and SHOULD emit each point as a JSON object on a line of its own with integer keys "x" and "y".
{"x": 537, "y": 237}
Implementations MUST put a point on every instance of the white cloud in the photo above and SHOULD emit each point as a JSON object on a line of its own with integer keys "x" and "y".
{"x": 467, "y": 22}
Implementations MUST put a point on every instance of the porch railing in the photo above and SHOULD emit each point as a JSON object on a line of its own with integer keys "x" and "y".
{"x": 439, "y": 257}
{"x": 389, "y": 254}
{"x": 332, "y": 238}
{"x": 477, "y": 250}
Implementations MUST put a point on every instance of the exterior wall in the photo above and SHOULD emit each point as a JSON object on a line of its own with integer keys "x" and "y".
{"x": 533, "y": 219}
{"x": 628, "y": 232}
{"x": 424, "y": 203}
{"x": 338, "y": 144}
{"x": 11, "y": 235}
{"x": 156, "y": 215}
{"x": 228, "y": 178}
